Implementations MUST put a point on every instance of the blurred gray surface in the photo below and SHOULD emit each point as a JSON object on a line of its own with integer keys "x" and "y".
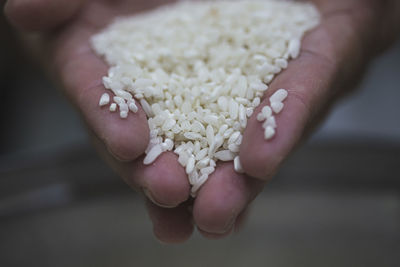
{"x": 316, "y": 212}
{"x": 373, "y": 110}
{"x": 285, "y": 229}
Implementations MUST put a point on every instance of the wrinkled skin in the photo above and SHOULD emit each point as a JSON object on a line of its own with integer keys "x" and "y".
{"x": 332, "y": 60}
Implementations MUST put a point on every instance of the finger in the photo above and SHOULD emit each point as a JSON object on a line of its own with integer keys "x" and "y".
{"x": 310, "y": 81}
{"x": 260, "y": 158}
{"x": 40, "y": 15}
{"x": 222, "y": 198}
{"x": 126, "y": 139}
{"x": 81, "y": 72}
{"x": 164, "y": 182}
{"x": 171, "y": 225}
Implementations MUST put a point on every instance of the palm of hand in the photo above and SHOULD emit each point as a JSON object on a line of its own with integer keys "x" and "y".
{"x": 309, "y": 80}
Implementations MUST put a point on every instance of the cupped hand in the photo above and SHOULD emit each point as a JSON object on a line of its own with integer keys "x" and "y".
{"x": 331, "y": 61}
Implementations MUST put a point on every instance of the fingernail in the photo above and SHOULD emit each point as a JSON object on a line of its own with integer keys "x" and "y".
{"x": 150, "y": 196}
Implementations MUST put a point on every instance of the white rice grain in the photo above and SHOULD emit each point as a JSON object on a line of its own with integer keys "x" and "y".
{"x": 202, "y": 179}
{"x": 269, "y": 132}
{"x": 270, "y": 122}
{"x": 104, "y": 99}
{"x": 242, "y": 116}
{"x": 233, "y": 109}
{"x": 277, "y": 107}
{"x": 113, "y": 107}
{"x": 294, "y": 48}
{"x": 281, "y": 63}
{"x": 203, "y": 163}
{"x": 207, "y": 170}
{"x": 146, "y": 107}
{"x": 168, "y": 145}
{"x": 153, "y": 154}
{"x": 266, "y": 111}
{"x": 261, "y": 117}
{"x": 234, "y": 148}
{"x": 237, "y": 165}
{"x": 232, "y": 139}
{"x": 190, "y": 165}
{"x": 224, "y": 155}
{"x": 132, "y": 106}
{"x": 123, "y": 114}
{"x": 279, "y": 96}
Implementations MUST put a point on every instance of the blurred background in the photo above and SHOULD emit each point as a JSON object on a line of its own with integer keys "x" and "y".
{"x": 335, "y": 202}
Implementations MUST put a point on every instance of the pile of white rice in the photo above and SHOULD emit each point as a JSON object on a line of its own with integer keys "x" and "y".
{"x": 199, "y": 69}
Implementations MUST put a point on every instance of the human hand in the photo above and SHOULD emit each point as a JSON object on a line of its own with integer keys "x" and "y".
{"x": 333, "y": 57}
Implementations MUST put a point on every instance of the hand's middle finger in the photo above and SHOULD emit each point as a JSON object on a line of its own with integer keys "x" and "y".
{"x": 222, "y": 198}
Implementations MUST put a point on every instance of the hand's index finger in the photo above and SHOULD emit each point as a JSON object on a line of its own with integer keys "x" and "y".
{"x": 81, "y": 72}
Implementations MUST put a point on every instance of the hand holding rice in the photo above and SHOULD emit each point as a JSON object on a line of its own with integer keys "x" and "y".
{"x": 199, "y": 69}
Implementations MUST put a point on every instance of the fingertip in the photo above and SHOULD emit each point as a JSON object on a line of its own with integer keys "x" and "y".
{"x": 263, "y": 167}
{"x": 255, "y": 162}
{"x": 220, "y": 200}
{"x": 261, "y": 158}
{"x": 170, "y": 226}
{"x": 126, "y": 139}
{"x": 179, "y": 236}
{"x": 165, "y": 181}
